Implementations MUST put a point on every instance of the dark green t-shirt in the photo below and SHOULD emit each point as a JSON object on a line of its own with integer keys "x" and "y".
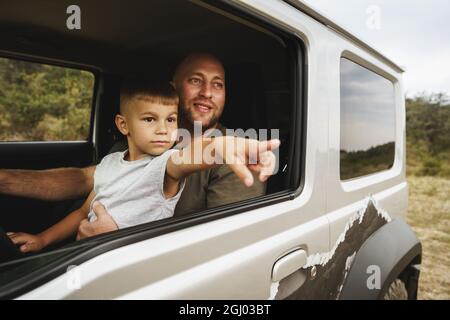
{"x": 215, "y": 187}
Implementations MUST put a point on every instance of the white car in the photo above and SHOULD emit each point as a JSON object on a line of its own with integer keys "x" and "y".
{"x": 332, "y": 222}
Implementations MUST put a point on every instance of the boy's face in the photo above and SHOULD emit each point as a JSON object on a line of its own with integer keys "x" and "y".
{"x": 150, "y": 127}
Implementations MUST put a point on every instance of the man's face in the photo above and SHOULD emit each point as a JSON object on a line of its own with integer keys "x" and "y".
{"x": 201, "y": 87}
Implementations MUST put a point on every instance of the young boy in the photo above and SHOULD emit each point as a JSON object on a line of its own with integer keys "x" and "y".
{"x": 144, "y": 183}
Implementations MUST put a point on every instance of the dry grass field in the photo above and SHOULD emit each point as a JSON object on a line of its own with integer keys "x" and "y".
{"x": 429, "y": 216}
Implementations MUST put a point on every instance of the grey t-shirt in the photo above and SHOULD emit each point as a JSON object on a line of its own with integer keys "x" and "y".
{"x": 132, "y": 191}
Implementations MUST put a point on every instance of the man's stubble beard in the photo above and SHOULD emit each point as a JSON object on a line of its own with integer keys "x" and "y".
{"x": 187, "y": 121}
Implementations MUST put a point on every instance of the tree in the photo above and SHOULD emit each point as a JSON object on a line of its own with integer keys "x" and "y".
{"x": 43, "y": 102}
{"x": 428, "y": 133}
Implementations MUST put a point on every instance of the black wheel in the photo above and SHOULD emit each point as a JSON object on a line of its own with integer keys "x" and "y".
{"x": 397, "y": 291}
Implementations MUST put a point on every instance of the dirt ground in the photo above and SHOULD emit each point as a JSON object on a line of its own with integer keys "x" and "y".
{"x": 429, "y": 216}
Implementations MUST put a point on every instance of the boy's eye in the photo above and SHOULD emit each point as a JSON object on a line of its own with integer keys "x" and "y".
{"x": 149, "y": 119}
{"x": 172, "y": 119}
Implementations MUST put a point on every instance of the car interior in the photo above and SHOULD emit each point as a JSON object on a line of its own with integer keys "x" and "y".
{"x": 145, "y": 37}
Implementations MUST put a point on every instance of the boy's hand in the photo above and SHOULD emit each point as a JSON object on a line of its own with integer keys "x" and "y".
{"x": 243, "y": 155}
{"x": 28, "y": 242}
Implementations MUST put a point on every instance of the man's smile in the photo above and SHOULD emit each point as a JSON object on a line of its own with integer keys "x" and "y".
{"x": 203, "y": 107}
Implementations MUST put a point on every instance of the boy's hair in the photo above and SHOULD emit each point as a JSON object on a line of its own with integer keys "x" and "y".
{"x": 139, "y": 87}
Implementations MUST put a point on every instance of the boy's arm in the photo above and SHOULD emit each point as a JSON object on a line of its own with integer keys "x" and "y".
{"x": 69, "y": 225}
{"x": 58, "y": 232}
{"x": 60, "y": 184}
{"x": 204, "y": 153}
{"x": 182, "y": 163}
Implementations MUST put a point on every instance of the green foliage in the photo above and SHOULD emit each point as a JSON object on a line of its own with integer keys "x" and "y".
{"x": 431, "y": 167}
{"x": 428, "y": 135}
{"x": 43, "y": 103}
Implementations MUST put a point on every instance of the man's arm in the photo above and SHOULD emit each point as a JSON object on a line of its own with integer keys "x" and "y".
{"x": 52, "y": 184}
{"x": 58, "y": 232}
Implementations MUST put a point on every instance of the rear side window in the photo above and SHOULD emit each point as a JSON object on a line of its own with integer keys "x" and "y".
{"x": 40, "y": 102}
{"x": 367, "y": 121}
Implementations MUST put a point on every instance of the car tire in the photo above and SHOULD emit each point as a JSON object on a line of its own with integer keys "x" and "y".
{"x": 397, "y": 291}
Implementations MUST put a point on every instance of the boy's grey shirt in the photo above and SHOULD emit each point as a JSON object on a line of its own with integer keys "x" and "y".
{"x": 132, "y": 191}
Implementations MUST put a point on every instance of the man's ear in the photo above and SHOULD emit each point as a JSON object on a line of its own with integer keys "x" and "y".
{"x": 121, "y": 124}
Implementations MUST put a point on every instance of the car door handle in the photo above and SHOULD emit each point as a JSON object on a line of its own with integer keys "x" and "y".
{"x": 288, "y": 264}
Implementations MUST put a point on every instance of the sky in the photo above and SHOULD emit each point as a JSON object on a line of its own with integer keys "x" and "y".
{"x": 415, "y": 34}
{"x": 367, "y": 112}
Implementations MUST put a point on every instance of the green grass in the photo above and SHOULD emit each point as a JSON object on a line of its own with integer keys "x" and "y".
{"x": 429, "y": 216}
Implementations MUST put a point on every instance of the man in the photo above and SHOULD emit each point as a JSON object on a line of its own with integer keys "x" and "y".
{"x": 200, "y": 83}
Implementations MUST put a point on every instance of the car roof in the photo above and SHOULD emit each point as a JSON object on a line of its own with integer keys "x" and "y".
{"x": 38, "y": 27}
{"x": 320, "y": 17}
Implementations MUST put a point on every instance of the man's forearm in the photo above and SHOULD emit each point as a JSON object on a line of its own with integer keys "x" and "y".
{"x": 52, "y": 185}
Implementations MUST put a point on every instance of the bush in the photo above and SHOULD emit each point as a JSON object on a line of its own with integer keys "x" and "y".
{"x": 428, "y": 135}
{"x": 431, "y": 167}
{"x": 43, "y": 103}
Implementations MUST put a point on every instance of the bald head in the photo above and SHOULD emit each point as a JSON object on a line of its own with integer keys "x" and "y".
{"x": 195, "y": 60}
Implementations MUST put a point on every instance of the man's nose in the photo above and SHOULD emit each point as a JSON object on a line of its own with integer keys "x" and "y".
{"x": 206, "y": 90}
